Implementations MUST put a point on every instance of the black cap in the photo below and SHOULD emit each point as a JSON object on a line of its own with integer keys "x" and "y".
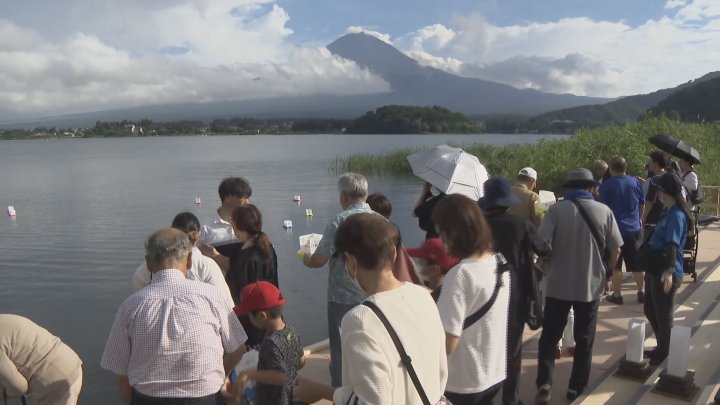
{"x": 670, "y": 183}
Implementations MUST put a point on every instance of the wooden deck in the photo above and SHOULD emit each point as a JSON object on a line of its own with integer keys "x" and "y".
{"x": 697, "y": 307}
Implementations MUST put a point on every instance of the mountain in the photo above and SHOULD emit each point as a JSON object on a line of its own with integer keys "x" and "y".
{"x": 411, "y": 83}
{"x": 619, "y": 111}
{"x": 414, "y": 84}
{"x": 698, "y": 102}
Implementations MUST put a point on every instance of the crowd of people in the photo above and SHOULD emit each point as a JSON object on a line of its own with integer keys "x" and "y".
{"x": 444, "y": 328}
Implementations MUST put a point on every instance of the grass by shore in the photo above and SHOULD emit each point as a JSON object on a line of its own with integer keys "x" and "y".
{"x": 553, "y": 159}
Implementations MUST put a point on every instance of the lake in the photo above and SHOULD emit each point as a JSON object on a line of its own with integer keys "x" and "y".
{"x": 85, "y": 207}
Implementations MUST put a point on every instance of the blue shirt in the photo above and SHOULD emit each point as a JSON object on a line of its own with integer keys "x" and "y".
{"x": 624, "y": 195}
{"x": 671, "y": 228}
{"x": 340, "y": 289}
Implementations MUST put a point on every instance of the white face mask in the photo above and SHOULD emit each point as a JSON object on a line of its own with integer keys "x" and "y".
{"x": 353, "y": 278}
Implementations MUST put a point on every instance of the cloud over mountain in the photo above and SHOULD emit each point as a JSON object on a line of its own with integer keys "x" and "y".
{"x": 186, "y": 51}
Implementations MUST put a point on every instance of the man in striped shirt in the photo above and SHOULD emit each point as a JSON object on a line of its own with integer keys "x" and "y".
{"x": 176, "y": 339}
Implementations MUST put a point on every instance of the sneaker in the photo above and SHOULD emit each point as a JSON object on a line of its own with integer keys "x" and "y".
{"x": 656, "y": 359}
{"x": 641, "y": 297}
{"x": 558, "y": 353}
{"x": 543, "y": 395}
{"x": 572, "y": 395}
{"x": 571, "y": 351}
{"x": 615, "y": 299}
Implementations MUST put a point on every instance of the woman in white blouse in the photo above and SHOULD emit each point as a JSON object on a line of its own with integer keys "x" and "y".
{"x": 476, "y": 353}
{"x": 372, "y": 370}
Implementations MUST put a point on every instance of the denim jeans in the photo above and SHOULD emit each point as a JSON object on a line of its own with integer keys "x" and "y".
{"x": 556, "y": 314}
{"x": 335, "y": 312}
{"x": 659, "y": 309}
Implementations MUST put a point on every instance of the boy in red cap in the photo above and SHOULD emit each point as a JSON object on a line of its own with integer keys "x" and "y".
{"x": 437, "y": 263}
{"x": 281, "y": 351}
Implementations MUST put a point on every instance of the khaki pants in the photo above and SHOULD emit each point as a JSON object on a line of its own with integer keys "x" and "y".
{"x": 63, "y": 396}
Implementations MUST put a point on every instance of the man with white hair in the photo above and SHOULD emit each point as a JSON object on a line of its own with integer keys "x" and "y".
{"x": 174, "y": 341}
{"x": 528, "y": 199}
{"x": 343, "y": 295}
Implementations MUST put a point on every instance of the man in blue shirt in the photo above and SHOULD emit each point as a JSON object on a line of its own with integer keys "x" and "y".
{"x": 343, "y": 295}
{"x": 624, "y": 195}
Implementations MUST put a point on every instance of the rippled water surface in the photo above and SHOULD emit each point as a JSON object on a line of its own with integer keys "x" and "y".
{"x": 85, "y": 206}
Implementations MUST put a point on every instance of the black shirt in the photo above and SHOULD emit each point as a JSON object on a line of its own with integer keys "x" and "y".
{"x": 281, "y": 351}
{"x": 657, "y": 207}
{"x": 249, "y": 266}
{"x": 424, "y": 215}
{"x": 513, "y": 238}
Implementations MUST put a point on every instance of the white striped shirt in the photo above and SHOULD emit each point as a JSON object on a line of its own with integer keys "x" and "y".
{"x": 169, "y": 338}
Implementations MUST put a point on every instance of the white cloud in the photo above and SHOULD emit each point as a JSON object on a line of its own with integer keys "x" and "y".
{"x": 699, "y": 10}
{"x": 671, "y": 4}
{"x": 448, "y": 64}
{"x": 432, "y": 37}
{"x": 83, "y": 73}
{"x": 356, "y": 29}
{"x": 607, "y": 58}
{"x": 573, "y": 74}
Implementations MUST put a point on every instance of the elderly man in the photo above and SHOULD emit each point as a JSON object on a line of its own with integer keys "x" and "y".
{"x": 624, "y": 195}
{"x": 343, "y": 295}
{"x": 36, "y": 363}
{"x": 526, "y": 206}
{"x": 174, "y": 341}
{"x": 576, "y": 275}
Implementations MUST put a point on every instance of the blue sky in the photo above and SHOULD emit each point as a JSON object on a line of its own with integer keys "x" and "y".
{"x": 117, "y": 53}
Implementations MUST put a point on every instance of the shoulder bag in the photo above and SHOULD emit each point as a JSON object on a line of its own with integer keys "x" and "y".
{"x": 648, "y": 259}
{"x": 535, "y": 314}
{"x": 404, "y": 357}
{"x": 601, "y": 246}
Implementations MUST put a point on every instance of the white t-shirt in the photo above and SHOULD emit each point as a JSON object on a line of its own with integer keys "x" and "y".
{"x": 479, "y": 360}
{"x": 371, "y": 369}
{"x": 217, "y": 232}
{"x": 202, "y": 269}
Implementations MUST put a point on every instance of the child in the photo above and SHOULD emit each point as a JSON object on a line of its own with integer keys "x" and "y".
{"x": 435, "y": 263}
{"x": 281, "y": 352}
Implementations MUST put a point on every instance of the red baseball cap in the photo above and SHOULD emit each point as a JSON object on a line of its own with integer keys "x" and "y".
{"x": 257, "y": 297}
{"x": 434, "y": 250}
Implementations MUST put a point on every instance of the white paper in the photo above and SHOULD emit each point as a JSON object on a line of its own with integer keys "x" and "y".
{"x": 635, "y": 340}
{"x": 679, "y": 351}
{"x": 309, "y": 242}
{"x": 547, "y": 197}
{"x": 248, "y": 361}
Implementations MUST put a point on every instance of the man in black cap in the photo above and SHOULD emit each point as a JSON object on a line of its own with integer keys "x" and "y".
{"x": 577, "y": 267}
{"x": 513, "y": 238}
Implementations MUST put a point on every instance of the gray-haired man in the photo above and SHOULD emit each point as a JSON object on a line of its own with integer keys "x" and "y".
{"x": 343, "y": 295}
{"x": 576, "y": 274}
{"x": 175, "y": 339}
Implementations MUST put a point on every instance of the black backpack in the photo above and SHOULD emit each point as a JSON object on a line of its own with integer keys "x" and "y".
{"x": 696, "y": 196}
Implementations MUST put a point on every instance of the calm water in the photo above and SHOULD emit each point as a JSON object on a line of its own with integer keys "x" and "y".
{"x": 85, "y": 207}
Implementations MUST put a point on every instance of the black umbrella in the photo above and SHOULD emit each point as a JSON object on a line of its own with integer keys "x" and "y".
{"x": 676, "y": 147}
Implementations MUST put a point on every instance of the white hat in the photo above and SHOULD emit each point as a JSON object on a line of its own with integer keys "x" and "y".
{"x": 528, "y": 172}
